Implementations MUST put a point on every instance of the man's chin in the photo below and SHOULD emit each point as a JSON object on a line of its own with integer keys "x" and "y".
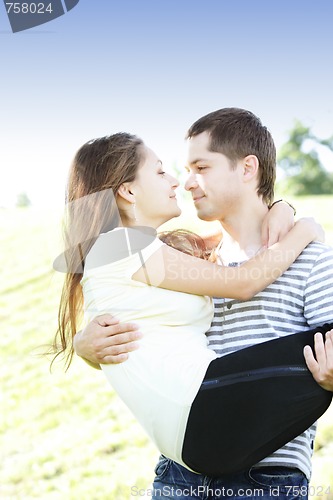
{"x": 204, "y": 216}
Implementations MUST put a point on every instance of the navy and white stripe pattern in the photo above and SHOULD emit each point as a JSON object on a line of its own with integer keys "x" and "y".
{"x": 300, "y": 299}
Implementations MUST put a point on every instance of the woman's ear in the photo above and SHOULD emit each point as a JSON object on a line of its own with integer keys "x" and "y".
{"x": 125, "y": 192}
{"x": 251, "y": 167}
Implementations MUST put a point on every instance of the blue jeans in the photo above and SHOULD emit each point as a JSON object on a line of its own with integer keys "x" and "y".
{"x": 172, "y": 481}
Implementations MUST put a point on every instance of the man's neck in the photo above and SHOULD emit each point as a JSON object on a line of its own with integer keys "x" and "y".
{"x": 242, "y": 233}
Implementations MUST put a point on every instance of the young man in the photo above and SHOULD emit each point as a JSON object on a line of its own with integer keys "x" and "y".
{"x": 231, "y": 166}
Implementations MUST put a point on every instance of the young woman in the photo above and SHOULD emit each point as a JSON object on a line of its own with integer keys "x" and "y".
{"x": 245, "y": 405}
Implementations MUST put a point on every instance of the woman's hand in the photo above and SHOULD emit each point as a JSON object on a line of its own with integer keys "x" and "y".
{"x": 309, "y": 224}
{"x": 278, "y": 222}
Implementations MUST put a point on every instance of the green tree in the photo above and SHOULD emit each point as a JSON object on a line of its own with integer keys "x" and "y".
{"x": 299, "y": 159}
{"x": 23, "y": 200}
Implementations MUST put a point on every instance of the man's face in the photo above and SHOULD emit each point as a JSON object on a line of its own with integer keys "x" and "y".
{"x": 215, "y": 186}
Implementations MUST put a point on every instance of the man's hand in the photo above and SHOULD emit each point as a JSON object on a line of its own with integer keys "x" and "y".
{"x": 277, "y": 223}
{"x": 105, "y": 340}
{"x": 322, "y": 367}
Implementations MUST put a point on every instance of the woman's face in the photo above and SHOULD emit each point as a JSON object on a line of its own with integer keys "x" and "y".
{"x": 154, "y": 191}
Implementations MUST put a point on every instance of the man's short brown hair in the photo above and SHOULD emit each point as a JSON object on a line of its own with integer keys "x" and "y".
{"x": 237, "y": 133}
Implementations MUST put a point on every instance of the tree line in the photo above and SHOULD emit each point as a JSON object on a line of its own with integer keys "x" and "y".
{"x": 299, "y": 160}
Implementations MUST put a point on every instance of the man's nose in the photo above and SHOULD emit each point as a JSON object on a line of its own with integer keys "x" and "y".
{"x": 191, "y": 182}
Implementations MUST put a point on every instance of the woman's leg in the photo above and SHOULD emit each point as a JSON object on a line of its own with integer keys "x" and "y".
{"x": 251, "y": 403}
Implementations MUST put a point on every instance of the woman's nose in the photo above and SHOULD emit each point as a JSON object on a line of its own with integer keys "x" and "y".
{"x": 174, "y": 182}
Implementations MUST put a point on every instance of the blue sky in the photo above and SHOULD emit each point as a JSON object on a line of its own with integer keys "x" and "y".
{"x": 152, "y": 67}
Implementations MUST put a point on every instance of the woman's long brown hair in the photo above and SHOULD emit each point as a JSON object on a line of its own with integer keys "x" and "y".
{"x": 99, "y": 168}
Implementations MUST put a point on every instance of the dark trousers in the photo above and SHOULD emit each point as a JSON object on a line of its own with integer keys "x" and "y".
{"x": 174, "y": 482}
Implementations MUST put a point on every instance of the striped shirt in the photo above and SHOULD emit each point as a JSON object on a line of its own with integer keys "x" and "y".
{"x": 301, "y": 298}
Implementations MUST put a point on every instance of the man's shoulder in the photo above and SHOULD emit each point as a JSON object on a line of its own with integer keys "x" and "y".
{"x": 315, "y": 250}
{"x": 316, "y": 259}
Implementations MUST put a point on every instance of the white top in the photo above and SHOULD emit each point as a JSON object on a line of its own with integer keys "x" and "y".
{"x": 160, "y": 380}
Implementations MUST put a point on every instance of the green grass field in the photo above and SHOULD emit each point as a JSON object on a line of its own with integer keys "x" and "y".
{"x": 67, "y": 435}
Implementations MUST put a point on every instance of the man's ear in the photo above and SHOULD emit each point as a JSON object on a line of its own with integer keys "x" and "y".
{"x": 251, "y": 167}
{"x": 125, "y": 192}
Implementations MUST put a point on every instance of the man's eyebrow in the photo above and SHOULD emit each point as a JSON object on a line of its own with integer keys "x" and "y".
{"x": 198, "y": 160}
